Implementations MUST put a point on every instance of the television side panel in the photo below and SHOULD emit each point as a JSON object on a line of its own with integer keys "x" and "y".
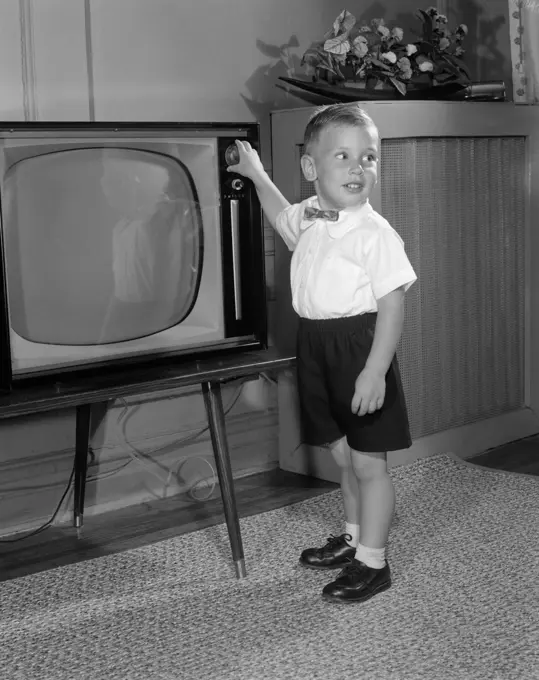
{"x": 5, "y": 345}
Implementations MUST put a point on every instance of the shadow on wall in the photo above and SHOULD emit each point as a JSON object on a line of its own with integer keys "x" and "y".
{"x": 488, "y": 54}
{"x": 267, "y": 92}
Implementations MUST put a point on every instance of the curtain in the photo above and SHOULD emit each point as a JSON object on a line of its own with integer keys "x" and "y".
{"x": 524, "y": 33}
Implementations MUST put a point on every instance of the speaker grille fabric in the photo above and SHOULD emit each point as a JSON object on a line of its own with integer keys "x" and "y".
{"x": 459, "y": 205}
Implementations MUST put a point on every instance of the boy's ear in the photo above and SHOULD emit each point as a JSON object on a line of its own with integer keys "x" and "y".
{"x": 308, "y": 167}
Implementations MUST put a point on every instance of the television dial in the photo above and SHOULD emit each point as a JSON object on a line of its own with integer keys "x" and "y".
{"x": 237, "y": 184}
{"x": 232, "y": 156}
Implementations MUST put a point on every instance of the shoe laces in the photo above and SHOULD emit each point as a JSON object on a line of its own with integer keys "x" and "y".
{"x": 352, "y": 566}
{"x": 334, "y": 541}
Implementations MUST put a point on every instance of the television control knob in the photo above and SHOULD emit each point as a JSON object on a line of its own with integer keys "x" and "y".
{"x": 232, "y": 156}
{"x": 237, "y": 184}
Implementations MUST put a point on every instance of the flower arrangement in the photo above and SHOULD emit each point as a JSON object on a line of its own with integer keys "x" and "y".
{"x": 373, "y": 53}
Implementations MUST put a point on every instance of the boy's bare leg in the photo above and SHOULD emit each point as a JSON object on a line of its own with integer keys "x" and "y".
{"x": 377, "y": 497}
{"x": 339, "y": 550}
{"x": 349, "y": 483}
{"x": 368, "y": 573}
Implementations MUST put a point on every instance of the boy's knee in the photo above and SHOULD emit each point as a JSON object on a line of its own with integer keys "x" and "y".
{"x": 368, "y": 465}
{"x": 341, "y": 453}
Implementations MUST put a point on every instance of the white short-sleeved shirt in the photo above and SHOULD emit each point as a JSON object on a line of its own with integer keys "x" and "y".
{"x": 341, "y": 268}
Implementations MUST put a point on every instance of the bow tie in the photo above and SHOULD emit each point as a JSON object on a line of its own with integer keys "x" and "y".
{"x": 315, "y": 214}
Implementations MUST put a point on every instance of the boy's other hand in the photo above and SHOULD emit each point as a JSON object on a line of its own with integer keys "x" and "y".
{"x": 249, "y": 164}
{"x": 369, "y": 393}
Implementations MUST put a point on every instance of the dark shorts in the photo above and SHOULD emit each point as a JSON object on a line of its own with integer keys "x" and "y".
{"x": 331, "y": 353}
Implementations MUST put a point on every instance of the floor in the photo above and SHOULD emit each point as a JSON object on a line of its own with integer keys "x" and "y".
{"x": 151, "y": 522}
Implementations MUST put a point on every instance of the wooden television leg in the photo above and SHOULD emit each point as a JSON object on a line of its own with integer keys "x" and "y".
{"x": 216, "y": 420}
{"x": 82, "y": 443}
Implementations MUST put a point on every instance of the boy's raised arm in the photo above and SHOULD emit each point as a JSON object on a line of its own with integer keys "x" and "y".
{"x": 250, "y": 166}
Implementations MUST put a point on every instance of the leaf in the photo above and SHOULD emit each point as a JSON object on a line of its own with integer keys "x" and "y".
{"x": 313, "y": 56}
{"x": 455, "y": 72}
{"x": 444, "y": 76}
{"x": 456, "y": 67}
{"x": 384, "y": 71}
{"x": 344, "y": 22}
{"x": 450, "y": 81}
{"x": 458, "y": 63}
{"x": 339, "y": 45}
{"x": 317, "y": 58}
{"x": 423, "y": 47}
{"x": 312, "y": 52}
{"x": 426, "y": 18}
{"x": 327, "y": 67}
{"x": 327, "y": 59}
{"x": 378, "y": 63}
{"x": 400, "y": 86}
{"x": 427, "y": 25}
{"x": 360, "y": 39}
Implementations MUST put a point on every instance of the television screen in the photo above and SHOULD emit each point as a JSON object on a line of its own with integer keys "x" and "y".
{"x": 134, "y": 217}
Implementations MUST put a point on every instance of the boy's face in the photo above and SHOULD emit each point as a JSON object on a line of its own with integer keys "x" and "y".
{"x": 343, "y": 163}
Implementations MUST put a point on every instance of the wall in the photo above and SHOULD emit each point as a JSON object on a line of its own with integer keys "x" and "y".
{"x": 488, "y": 25}
{"x": 164, "y": 60}
{"x": 209, "y": 60}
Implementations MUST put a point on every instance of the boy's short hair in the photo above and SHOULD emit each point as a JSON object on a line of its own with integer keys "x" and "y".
{"x": 335, "y": 114}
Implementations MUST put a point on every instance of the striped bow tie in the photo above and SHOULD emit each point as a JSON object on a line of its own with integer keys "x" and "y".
{"x": 315, "y": 214}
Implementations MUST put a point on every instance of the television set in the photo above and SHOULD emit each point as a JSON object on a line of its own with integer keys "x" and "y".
{"x": 123, "y": 245}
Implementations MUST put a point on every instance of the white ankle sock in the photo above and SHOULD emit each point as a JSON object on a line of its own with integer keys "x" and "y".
{"x": 353, "y": 530}
{"x": 372, "y": 557}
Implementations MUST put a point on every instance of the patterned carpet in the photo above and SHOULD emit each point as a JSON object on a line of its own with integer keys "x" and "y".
{"x": 464, "y": 551}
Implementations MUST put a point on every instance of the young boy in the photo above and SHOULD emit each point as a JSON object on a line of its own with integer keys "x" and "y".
{"x": 349, "y": 273}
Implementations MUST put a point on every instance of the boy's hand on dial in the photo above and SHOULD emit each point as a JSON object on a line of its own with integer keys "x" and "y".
{"x": 249, "y": 164}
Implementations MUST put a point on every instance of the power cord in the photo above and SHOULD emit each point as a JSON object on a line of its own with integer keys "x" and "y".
{"x": 48, "y": 523}
{"x": 136, "y": 456}
{"x": 144, "y": 457}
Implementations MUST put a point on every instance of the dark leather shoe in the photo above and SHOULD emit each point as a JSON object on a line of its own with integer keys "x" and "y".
{"x": 334, "y": 555}
{"x": 357, "y": 582}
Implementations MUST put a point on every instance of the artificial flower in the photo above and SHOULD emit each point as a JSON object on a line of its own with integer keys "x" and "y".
{"x": 375, "y": 53}
{"x": 389, "y": 56}
{"x": 425, "y": 65}
{"x": 360, "y": 46}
